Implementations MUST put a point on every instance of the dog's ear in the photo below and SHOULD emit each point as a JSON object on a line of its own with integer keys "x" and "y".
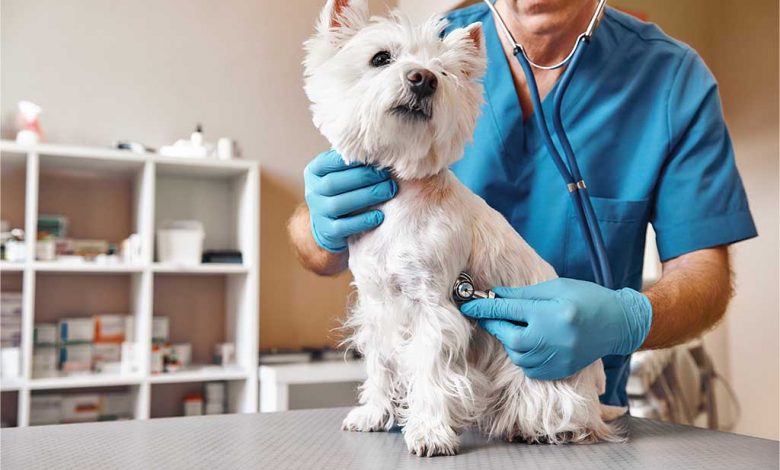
{"x": 339, "y": 21}
{"x": 343, "y": 16}
{"x": 470, "y": 42}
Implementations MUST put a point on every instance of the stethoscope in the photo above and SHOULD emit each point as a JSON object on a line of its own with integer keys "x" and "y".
{"x": 463, "y": 289}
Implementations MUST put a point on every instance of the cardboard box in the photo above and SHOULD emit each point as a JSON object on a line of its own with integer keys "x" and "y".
{"x": 129, "y": 328}
{"x": 45, "y": 409}
{"x": 215, "y": 392}
{"x": 10, "y": 319}
{"x": 45, "y": 361}
{"x": 215, "y": 408}
{"x": 76, "y": 358}
{"x": 157, "y": 359}
{"x": 160, "y": 329}
{"x": 183, "y": 352}
{"x": 224, "y": 354}
{"x": 45, "y": 334}
{"x": 193, "y": 405}
{"x": 80, "y": 408}
{"x": 115, "y": 406}
{"x": 106, "y": 353}
{"x": 109, "y": 328}
{"x": 129, "y": 358}
{"x": 10, "y": 363}
{"x": 76, "y": 330}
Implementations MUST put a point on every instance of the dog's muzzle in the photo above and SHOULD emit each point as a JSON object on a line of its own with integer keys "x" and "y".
{"x": 422, "y": 84}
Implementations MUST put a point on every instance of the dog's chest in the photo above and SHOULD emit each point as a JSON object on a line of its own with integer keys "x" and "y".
{"x": 423, "y": 242}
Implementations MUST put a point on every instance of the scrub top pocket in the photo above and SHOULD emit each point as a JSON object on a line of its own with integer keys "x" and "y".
{"x": 624, "y": 227}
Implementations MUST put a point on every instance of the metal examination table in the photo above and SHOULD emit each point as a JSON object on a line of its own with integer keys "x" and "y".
{"x": 312, "y": 440}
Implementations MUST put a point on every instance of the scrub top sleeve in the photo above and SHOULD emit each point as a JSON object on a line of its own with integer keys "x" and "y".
{"x": 700, "y": 201}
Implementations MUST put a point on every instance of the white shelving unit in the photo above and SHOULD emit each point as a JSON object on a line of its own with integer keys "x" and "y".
{"x": 234, "y": 184}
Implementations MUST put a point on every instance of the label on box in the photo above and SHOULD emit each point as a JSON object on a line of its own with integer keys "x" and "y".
{"x": 109, "y": 328}
{"x": 75, "y": 358}
{"x": 80, "y": 408}
{"x": 45, "y": 333}
{"x": 106, "y": 352}
{"x": 45, "y": 409}
{"x": 129, "y": 361}
{"x": 116, "y": 405}
{"x": 44, "y": 361}
{"x": 76, "y": 330}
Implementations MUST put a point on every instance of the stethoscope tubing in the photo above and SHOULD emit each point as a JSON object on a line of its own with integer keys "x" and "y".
{"x": 571, "y": 174}
{"x": 594, "y": 237}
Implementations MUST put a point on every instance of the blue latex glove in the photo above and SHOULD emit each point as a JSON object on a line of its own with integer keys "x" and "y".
{"x": 555, "y": 328}
{"x": 339, "y": 194}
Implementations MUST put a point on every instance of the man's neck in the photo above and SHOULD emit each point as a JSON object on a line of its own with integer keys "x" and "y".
{"x": 546, "y": 29}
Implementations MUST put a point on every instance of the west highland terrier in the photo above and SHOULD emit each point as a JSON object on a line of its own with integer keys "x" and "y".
{"x": 388, "y": 93}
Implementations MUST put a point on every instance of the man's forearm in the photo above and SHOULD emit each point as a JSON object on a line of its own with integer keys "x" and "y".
{"x": 690, "y": 298}
{"x": 310, "y": 254}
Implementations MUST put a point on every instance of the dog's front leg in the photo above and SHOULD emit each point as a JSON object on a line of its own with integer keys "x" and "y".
{"x": 438, "y": 396}
{"x": 375, "y": 412}
{"x": 370, "y": 334}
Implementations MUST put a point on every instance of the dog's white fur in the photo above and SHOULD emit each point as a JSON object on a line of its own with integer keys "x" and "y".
{"x": 430, "y": 369}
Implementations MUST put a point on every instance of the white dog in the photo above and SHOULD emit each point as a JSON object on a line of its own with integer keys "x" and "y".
{"x": 398, "y": 96}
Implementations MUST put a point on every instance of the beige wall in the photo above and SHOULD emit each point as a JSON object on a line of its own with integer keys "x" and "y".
{"x": 149, "y": 70}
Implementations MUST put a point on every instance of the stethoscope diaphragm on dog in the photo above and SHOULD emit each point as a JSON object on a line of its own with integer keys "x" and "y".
{"x": 463, "y": 290}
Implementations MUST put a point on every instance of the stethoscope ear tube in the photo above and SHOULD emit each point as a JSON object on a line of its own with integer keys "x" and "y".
{"x": 583, "y": 207}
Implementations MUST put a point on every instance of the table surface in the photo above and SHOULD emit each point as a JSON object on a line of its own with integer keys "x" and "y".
{"x": 312, "y": 440}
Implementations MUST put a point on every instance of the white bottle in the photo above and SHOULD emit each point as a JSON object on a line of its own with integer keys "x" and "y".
{"x": 196, "y": 138}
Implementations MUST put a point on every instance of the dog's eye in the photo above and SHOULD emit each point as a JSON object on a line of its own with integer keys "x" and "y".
{"x": 381, "y": 59}
{"x": 444, "y": 73}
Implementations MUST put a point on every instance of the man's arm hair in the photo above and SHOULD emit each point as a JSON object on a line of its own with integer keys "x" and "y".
{"x": 312, "y": 256}
{"x": 690, "y": 298}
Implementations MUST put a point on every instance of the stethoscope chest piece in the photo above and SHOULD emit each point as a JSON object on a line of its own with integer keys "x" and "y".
{"x": 463, "y": 290}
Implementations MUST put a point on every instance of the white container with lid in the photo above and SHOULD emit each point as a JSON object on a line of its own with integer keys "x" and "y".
{"x": 180, "y": 242}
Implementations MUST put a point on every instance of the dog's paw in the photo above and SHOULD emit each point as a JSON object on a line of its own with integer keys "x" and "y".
{"x": 430, "y": 441}
{"x": 367, "y": 418}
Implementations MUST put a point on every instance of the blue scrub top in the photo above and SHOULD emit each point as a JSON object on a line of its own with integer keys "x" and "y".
{"x": 644, "y": 118}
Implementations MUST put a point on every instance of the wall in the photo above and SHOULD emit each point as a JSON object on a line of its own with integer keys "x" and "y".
{"x": 149, "y": 71}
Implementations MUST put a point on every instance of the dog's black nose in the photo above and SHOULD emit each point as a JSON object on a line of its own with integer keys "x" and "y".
{"x": 422, "y": 82}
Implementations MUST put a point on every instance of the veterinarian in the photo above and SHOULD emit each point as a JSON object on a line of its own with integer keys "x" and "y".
{"x": 644, "y": 117}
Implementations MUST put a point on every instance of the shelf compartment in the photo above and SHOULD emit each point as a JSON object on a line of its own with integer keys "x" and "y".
{"x": 196, "y": 311}
{"x": 98, "y": 205}
{"x": 84, "y": 404}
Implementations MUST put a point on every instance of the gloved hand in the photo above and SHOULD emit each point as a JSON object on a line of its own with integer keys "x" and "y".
{"x": 337, "y": 192}
{"x": 555, "y": 328}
